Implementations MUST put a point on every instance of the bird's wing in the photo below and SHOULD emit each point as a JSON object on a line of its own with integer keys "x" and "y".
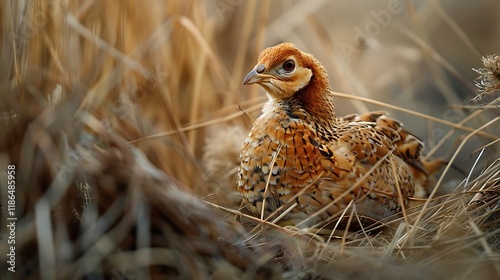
{"x": 407, "y": 146}
{"x": 366, "y": 154}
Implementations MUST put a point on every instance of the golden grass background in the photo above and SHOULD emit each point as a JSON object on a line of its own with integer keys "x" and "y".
{"x": 124, "y": 120}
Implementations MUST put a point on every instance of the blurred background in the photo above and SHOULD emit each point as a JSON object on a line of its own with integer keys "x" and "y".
{"x": 166, "y": 77}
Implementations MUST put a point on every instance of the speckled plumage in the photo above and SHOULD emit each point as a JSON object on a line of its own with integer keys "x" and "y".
{"x": 298, "y": 151}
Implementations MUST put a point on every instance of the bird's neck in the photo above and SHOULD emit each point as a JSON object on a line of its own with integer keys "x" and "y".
{"x": 318, "y": 109}
{"x": 316, "y": 98}
{"x": 321, "y": 106}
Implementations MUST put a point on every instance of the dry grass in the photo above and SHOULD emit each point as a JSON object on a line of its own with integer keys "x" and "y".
{"x": 124, "y": 119}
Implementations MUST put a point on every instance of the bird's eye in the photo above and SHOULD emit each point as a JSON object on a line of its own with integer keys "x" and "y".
{"x": 289, "y": 65}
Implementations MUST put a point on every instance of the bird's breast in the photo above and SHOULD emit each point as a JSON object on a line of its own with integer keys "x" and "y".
{"x": 279, "y": 151}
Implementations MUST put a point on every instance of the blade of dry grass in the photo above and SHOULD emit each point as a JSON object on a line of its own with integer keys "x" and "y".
{"x": 439, "y": 182}
{"x": 420, "y": 115}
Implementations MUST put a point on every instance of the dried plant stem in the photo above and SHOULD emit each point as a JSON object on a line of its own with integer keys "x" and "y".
{"x": 421, "y": 115}
{"x": 448, "y": 166}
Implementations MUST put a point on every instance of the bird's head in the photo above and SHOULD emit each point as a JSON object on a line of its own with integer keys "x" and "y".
{"x": 284, "y": 70}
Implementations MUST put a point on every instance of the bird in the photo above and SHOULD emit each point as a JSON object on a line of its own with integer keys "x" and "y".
{"x": 302, "y": 165}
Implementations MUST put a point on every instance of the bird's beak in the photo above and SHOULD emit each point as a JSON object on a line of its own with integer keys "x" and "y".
{"x": 257, "y": 76}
